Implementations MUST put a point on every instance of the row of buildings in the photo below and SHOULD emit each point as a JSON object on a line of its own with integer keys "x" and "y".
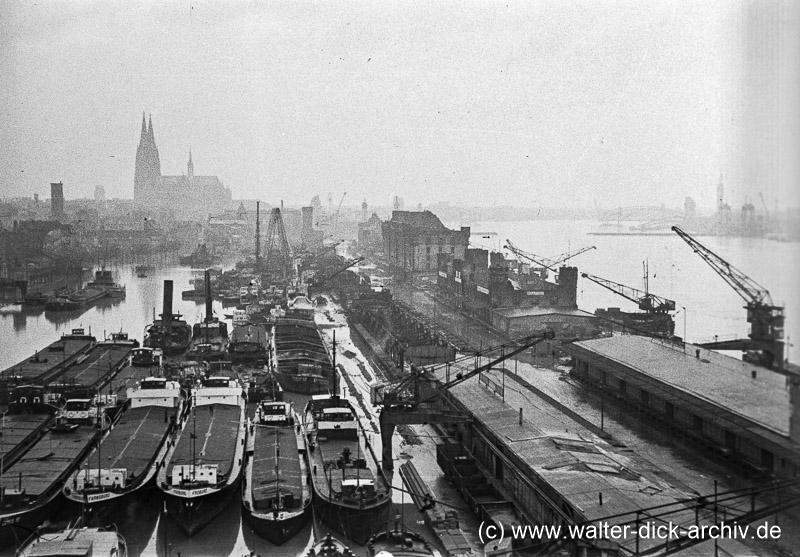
{"x": 510, "y": 295}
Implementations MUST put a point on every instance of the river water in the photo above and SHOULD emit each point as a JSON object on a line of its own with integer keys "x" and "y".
{"x": 712, "y": 308}
{"x": 675, "y": 271}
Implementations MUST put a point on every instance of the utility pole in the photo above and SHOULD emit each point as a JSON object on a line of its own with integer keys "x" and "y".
{"x": 258, "y": 239}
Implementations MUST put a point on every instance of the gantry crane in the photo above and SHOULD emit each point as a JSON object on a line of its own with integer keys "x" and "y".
{"x": 278, "y": 254}
{"x": 645, "y": 300}
{"x": 547, "y": 263}
{"x": 414, "y": 400}
{"x": 765, "y": 342}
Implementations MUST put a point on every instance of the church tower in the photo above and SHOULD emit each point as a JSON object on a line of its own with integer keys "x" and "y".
{"x": 190, "y": 167}
{"x": 148, "y": 166}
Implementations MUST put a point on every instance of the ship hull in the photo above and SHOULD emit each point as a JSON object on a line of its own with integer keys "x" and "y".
{"x": 191, "y": 514}
{"x": 276, "y": 530}
{"x": 16, "y": 527}
{"x": 303, "y": 384}
{"x": 356, "y": 524}
{"x": 100, "y": 506}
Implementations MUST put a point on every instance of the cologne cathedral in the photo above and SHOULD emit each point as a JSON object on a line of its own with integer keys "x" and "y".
{"x": 185, "y": 196}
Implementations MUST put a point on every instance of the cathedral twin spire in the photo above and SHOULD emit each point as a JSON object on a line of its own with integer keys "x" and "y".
{"x": 148, "y": 163}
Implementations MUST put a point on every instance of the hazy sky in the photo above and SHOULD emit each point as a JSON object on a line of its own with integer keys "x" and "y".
{"x": 535, "y": 103}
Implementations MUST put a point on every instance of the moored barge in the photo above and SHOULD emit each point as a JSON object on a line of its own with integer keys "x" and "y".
{"x": 276, "y": 499}
{"x": 351, "y": 494}
{"x": 133, "y": 449}
{"x": 204, "y": 468}
{"x": 300, "y": 359}
{"x": 31, "y": 487}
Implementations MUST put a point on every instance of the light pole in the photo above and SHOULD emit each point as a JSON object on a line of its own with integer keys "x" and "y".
{"x": 684, "y": 328}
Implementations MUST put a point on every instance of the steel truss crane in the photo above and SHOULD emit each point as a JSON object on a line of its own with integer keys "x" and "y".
{"x": 277, "y": 254}
{"x": 414, "y": 399}
{"x": 349, "y": 263}
{"x": 645, "y": 300}
{"x": 766, "y": 319}
{"x": 547, "y": 263}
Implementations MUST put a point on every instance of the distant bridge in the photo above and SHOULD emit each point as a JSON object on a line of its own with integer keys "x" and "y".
{"x": 641, "y": 213}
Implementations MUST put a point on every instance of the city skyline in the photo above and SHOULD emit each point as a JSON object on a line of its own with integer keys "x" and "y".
{"x": 541, "y": 105}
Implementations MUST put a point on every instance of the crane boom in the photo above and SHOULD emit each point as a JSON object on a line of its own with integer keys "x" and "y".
{"x": 645, "y": 300}
{"x": 546, "y": 262}
{"x": 414, "y": 399}
{"x": 765, "y": 344}
{"x": 339, "y": 271}
{"x": 523, "y": 344}
{"x": 750, "y": 291}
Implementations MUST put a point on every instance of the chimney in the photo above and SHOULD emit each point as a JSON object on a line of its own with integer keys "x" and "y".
{"x": 208, "y": 295}
{"x": 166, "y": 312}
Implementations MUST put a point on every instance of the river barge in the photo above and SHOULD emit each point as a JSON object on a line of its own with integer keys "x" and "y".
{"x": 276, "y": 499}
{"x": 127, "y": 458}
{"x": 300, "y": 359}
{"x": 31, "y": 486}
{"x": 204, "y": 468}
{"x": 351, "y": 494}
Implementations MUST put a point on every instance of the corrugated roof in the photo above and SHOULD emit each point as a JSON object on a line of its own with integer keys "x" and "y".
{"x": 713, "y": 377}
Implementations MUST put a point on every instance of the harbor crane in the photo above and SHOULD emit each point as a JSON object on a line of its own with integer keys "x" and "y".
{"x": 349, "y": 263}
{"x": 547, "y": 263}
{"x": 764, "y": 344}
{"x": 645, "y": 300}
{"x": 415, "y": 398}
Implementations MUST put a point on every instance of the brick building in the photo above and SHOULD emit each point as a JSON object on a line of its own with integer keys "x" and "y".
{"x": 413, "y": 240}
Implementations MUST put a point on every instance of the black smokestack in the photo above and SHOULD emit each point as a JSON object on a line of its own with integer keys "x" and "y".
{"x": 208, "y": 295}
{"x": 166, "y": 312}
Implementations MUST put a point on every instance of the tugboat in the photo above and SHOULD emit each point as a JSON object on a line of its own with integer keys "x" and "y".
{"x": 350, "y": 492}
{"x": 134, "y": 449}
{"x": 75, "y": 541}
{"x": 276, "y": 499}
{"x": 170, "y": 333}
{"x": 204, "y": 468}
{"x": 210, "y": 337}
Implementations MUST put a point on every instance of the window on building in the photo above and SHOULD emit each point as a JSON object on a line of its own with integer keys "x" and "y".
{"x": 697, "y": 423}
{"x": 623, "y": 386}
{"x": 669, "y": 408}
{"x": 644, "y": 396}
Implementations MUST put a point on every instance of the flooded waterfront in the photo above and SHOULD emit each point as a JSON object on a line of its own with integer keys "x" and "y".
{"x": 676, "y": 273}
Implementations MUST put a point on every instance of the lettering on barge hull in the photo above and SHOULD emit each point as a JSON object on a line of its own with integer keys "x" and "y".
{"x": 190, "y": 493}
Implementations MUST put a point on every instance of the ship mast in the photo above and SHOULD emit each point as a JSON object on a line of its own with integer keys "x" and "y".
{"x": 194, "y": 434}
{"x": 335, "y": 375}
{"x": 277, "y": 466}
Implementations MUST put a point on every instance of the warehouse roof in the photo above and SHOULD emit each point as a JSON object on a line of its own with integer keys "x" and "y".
{"x": 713, "y": 377}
